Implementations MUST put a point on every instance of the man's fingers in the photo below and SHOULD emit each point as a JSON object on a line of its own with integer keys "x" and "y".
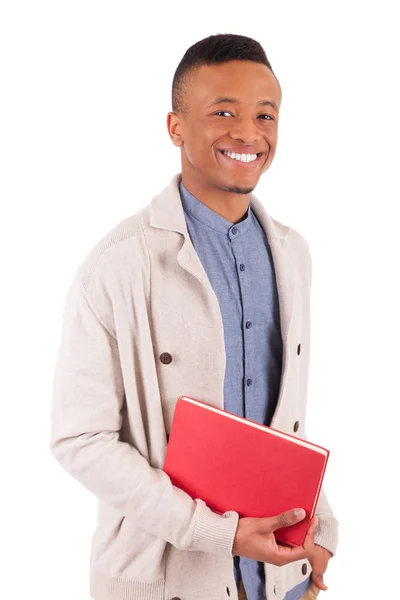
{"x": 310, "y": 535}
{"x": 288, "y": 554}
{"x": 318, "y": 580}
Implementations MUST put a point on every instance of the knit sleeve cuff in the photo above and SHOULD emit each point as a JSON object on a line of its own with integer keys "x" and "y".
{"x": 213, "y": 532}
{"x": 327, "y": 533}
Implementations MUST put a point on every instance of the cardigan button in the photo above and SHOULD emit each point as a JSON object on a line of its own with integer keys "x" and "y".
{"x": 228, "y": 591}
{"x": 304, "y": 569}
{"x": 296, "y": 426}
{"x": 166, "y": 359}
{"x": 299, "y": 349}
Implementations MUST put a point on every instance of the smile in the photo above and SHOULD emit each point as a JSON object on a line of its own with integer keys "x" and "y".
{"x": 241, "y": 157}
{"x": 244, "y": 159}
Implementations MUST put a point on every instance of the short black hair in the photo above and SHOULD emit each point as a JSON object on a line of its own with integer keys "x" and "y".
{"x": 215, "y": 49}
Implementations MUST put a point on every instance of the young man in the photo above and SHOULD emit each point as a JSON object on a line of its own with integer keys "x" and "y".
{"x": 200, "y": 293}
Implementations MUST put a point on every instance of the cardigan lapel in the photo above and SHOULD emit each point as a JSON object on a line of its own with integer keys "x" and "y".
{"x": 166, "y": 212}
{"x": 285, "y": 286}
{"x": 282, "y": 264}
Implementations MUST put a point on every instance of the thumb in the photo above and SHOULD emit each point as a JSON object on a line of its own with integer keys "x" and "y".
{"x": 287, "y": 518}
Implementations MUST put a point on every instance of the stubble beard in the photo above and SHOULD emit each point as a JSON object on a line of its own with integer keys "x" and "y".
{"x": 238, "y": 190}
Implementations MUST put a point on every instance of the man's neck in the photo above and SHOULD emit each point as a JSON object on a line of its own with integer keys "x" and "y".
{"x": 229, "y": 205}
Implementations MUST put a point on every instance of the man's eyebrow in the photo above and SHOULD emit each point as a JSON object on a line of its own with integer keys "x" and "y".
{"x": 228, "y": 100}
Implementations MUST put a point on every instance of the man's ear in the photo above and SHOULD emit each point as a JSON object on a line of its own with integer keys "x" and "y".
{"x": 174, "y": 129}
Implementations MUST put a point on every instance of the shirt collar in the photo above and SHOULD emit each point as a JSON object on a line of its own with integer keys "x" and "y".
{"x": 208, "y": 217}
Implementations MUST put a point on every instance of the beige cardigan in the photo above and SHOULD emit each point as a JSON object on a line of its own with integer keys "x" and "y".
{"x": 141, "y": 327}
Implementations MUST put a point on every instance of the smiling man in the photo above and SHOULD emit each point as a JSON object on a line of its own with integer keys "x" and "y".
{"x": 200, "y": 293}
{"x": 225, "y": 119}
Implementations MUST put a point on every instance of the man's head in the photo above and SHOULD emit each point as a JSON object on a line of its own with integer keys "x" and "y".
{"x": 225, "y": 98}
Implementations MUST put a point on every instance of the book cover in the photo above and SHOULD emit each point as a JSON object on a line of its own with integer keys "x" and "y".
{"x": 236, "y": 464}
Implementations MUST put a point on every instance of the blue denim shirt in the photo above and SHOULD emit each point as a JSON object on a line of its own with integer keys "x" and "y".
{"x": 238, "y": 261}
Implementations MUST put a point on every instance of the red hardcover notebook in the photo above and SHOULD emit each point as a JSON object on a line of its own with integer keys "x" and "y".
{"x": 236, "y": 464}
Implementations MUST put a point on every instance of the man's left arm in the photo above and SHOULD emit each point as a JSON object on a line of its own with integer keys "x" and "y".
{"x": 326, "y": 537}
{"x": 326, "y": 541}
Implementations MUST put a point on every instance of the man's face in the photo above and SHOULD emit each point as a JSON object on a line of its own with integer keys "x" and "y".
{"x": 233, "y": 107}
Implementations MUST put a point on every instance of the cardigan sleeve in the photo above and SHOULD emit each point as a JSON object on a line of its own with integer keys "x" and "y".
{"x": 327, "y": 530}
{"x": 87, "y": 398}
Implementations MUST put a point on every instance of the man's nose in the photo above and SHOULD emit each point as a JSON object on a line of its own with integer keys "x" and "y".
{"x": 245, "y": 130}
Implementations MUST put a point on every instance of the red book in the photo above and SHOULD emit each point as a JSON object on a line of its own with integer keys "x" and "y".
{"x": 236, "y": 464}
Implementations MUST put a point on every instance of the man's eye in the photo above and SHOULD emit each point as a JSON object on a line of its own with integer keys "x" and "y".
{"x": 262, "y": 117}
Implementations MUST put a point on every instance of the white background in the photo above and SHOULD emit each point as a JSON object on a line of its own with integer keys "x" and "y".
{"x": 85, "y": 94}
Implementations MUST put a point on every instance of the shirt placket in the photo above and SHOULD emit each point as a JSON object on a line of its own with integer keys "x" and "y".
{"x": 238, "y": 248}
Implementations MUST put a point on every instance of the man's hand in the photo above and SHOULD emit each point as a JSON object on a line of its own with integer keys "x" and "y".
{"x": 319, "y": 558}
{"x": 255, "y": 538}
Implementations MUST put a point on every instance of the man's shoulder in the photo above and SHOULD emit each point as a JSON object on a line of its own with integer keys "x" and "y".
{"x": 299, "y": 240}
{"x": 120, "y": 247}
{"x": 297, "y": 247}
{"x": 291, "y": 235}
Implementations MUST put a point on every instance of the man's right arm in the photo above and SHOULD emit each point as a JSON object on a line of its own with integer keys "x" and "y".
{"x": 88, "y": 396}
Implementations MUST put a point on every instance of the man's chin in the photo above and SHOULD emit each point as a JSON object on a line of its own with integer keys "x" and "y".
{"x": 241, "y": 188}
{"x": 234, "y": 189}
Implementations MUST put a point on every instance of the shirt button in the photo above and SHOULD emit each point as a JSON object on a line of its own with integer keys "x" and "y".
{"x": 234, "y": 230}
{"x": 299, "y": 349}
{"x": 296, "y": 426}
{"x": 242, "y": 267}
{"x": 249, "y": 381}
{"x": 248, "y": 324}
{"x": 304, "y": 569}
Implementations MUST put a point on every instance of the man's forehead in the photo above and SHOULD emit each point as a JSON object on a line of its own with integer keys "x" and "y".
{"x": 236, "y": 81}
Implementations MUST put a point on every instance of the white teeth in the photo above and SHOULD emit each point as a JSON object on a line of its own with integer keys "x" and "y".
{"x": 241, "y": 157}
